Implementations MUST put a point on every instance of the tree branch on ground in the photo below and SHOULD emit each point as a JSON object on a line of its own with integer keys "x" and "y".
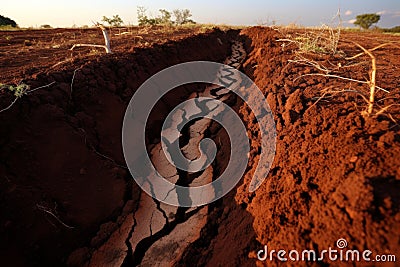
{"x": 106, "y": 46}
{"x": 372, "y": 81}
{"x": 53, "y": 214}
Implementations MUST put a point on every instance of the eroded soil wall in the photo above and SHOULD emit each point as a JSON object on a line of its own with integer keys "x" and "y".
{"x": 61, "y": 158}
{"x": 336, "y": 173}
{"x": 65, "y": 193}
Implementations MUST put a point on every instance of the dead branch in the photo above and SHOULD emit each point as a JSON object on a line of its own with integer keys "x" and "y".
{"x": 72, "y": 83}
{"x": 97, "y": 152}
{"x": 12, "y": 103}
{"x": 303, "y": 61}
{"x": 123, "y": 33}
{"x": 41, "y": 87}
{"x": 335, "y": 92}
{"x": 340, "y": 77}
{"x": 61, "y": 62}
{"x": 385, "y": 109}
{"x": 50, "y": 212}
{"x": 106, "y": 46}
{"x": 372, "y": 82}
{"x": 373, "y": 49}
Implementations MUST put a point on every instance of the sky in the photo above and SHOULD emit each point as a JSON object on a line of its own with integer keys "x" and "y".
{"x": 62, "y": 13}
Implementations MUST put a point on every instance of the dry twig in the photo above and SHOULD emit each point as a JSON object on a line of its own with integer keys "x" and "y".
{"x": 372, "y": 81}
{"x": 340, "y": 77}
{"x": 52, "y": 213}
{"x": 72, "y": 83}
{"x": 107, "y": 45}
{"x": 372, "y": 49}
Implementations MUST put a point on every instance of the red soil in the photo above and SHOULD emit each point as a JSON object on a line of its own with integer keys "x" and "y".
{"x": 61, "y": 147}
{"x": 26, "y": 53}
{"x": 336, "y": 173}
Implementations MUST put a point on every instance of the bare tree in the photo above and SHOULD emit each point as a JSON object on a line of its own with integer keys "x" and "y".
{"x": 182, "y": 16}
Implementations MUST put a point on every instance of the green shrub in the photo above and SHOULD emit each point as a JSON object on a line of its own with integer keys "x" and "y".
{"x": 165, "y": 17}
{"x": 115, "y": 21}
{"x": 395, "y": 29}
{"x": 18, "y": 90}
{"x": 366, "y": 20}
{"x": 4, "y": 21}
{"x": 183, "y": 16}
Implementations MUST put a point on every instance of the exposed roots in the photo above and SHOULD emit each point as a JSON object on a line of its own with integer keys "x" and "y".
{"x": 53, "y": 212}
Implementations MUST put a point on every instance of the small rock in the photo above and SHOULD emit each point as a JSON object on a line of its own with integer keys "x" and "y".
{"x": 353, "y": 159}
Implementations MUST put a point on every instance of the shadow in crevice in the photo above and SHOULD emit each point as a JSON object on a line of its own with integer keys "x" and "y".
{"x": 228, "y": 237}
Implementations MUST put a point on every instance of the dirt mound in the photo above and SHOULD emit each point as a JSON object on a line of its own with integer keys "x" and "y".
{"x": 67, "y": 197}
{"x": 62, "y": 166}
{"x": 24, "y": 53}
{"x": 336, "y": 173}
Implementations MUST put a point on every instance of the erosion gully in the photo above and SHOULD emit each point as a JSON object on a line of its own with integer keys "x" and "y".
{"x": 76, "y": 170}
{"x": 157, "y": 234}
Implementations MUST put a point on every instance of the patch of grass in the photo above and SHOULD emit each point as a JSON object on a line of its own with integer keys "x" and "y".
{"x": 321, "y": 40}
{"x": 222, "y": 27}
{"x": 18, "y": 90}
{"x": 392, "y": 33}
{"x": 9, "y": 28}
{"x": 318, "y": 40}
{"x": 199, "y": 28}
{"x": 348, "y": 29}
{"x": 314, "y": 41}
{"x": 94, "y": 52}
{"x": 310, "y": 44}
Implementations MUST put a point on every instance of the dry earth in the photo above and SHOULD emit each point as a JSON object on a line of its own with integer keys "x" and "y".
{"x": 336, "y": 172}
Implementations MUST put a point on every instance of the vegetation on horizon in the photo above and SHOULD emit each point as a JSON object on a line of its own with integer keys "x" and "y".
{"x": 365, "y": 21}
{"x": 115, "y": 21}
{"x": 395, "y": 29}
{"x": 182, "y": 16}
{"x": 5, "y": 21}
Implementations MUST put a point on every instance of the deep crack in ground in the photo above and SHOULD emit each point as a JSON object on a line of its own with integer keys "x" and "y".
{"x": 182, "y": 215}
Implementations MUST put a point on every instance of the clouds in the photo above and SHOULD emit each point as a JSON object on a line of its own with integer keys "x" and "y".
{"x": 348, "y": 12}
{"x": 389, "y": 13}
{"x": 392, "y": 14}
{"x": 381, "y": 13}
{"x": 396, "y": 14}
{"x": 388, "y": 17}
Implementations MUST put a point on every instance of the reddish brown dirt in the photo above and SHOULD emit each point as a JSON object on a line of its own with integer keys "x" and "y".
{"x": 27, "y": 52}
{"x": 336, "y": 173}
{"x": 61, "y": 148}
